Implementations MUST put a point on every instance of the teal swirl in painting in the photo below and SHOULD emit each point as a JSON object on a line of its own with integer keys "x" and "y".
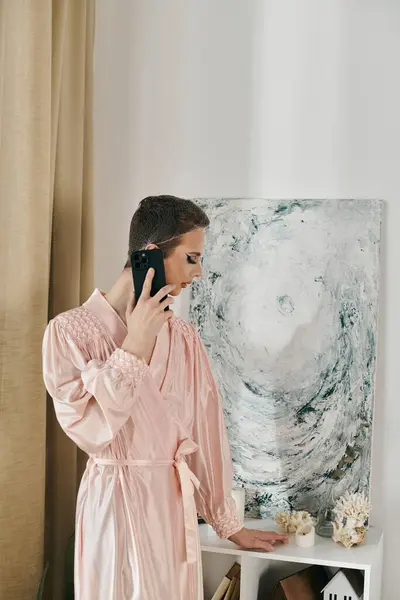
{"x": 287, "y": 310}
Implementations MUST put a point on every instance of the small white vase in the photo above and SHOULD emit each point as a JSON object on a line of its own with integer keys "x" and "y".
{"x": 305, "y": 536}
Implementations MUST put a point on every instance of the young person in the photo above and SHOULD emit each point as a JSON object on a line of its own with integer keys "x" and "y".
{"x": 132, "y": 387}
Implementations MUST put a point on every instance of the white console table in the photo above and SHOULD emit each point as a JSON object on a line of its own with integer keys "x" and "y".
{"x": 260, "y": 571}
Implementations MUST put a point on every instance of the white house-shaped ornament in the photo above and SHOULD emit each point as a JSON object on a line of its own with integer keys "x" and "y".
{"x": 345, "y": 585}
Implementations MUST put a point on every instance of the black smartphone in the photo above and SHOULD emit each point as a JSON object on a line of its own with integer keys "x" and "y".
{"x": 142, "y": 261}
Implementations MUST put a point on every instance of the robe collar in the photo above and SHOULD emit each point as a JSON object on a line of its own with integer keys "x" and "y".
{"x": 98, "y": 305}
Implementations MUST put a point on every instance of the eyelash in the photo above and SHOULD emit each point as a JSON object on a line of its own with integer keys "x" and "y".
{"x": 191, "y": 260}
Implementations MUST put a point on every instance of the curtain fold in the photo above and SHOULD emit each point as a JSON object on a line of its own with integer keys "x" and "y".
{"x": 46, "y": 266}
{"x": 72, "y": 242}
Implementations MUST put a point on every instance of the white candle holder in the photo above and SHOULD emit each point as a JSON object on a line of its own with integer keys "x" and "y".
{"x": 305, "y": 537}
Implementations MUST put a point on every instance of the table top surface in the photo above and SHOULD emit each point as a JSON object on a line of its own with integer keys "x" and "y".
{"x": 324, "y": 552}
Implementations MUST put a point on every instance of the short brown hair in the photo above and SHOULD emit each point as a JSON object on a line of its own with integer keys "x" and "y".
{"x": 162, "y": 220}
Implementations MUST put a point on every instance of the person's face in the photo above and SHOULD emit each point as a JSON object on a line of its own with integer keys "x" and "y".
{"x": 183, "y": 264}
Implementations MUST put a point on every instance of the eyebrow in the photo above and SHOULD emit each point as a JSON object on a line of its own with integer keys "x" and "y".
{"x": 194, "y": 253}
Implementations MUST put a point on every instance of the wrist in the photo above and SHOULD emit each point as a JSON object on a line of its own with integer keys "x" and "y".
{"x": 133, "y": 346}
{"x": 235, "y": 537}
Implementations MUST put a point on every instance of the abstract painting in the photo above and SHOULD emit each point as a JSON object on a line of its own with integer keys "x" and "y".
{"x": 287, "y": 310}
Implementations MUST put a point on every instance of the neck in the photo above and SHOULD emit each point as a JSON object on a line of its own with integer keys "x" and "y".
{"x": 119, "y": 294}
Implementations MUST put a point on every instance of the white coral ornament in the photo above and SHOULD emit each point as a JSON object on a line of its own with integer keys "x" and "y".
{"x": 351, "y": 517}
{"x": 290, "y": 522}
{"x": 353, "y": 506}
{"x": 349, "y": 535}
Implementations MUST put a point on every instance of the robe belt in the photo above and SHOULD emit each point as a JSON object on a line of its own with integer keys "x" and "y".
{"x": 188, "y": 482}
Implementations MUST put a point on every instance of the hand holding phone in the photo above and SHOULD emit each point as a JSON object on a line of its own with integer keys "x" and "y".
{"x": 142, "y": 261}
{"x": 145, "y": 319}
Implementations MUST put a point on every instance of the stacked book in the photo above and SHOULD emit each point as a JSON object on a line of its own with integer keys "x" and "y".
{"x": 229, "y": 588}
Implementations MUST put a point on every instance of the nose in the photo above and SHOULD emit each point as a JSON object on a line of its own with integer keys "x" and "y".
{"x": 199, "y": 270}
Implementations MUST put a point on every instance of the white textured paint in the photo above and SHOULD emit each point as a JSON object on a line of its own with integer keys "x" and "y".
{"x": 287, "y": 309}
{"x": 256, "y": 98}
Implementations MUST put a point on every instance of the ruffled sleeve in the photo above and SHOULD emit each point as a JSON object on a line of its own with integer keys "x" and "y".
{"x": 212, "y": 464}
{"x": 94, "y": 399}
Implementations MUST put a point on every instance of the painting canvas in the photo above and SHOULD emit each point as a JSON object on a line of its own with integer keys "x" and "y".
{"x": 287, "y": 309}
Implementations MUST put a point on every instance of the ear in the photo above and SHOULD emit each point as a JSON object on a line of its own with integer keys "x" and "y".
{"x": 151, "y": 247}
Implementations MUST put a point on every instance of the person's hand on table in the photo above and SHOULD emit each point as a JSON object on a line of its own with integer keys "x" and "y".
{"x": 254, "y": 539}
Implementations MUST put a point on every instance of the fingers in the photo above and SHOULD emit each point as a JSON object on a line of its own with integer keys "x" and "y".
{"x": 167, "y": 302}
{"x": 262, "y": 545}
{"x": 284, "y": 541}
{"x": 164, "y": 292}
{"x": 268, "y": 540}
{"x": 131, "y": 304}
{"x": 272, "y": 537}
{"x": 278, "y": 542}
{"x": 145, "y": 295}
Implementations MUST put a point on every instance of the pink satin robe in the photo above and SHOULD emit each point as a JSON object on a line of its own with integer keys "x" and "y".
{"x": 158, "y": 453}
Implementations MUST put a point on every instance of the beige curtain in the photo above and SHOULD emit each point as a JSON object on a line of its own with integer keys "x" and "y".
{"x": 46, "y": 51}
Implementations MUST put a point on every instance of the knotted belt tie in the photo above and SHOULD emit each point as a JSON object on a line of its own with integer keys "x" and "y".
{"x": 188, "y": 482}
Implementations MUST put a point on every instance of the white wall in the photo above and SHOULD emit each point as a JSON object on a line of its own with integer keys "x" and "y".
{"x": 281, "y": 99}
